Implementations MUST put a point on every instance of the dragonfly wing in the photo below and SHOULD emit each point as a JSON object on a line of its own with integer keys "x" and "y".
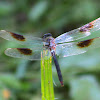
{"x": 79, "y": 32}
{"x": 75, "y": 48}
{"x": 26, "y": 53}
{"x": 22, "y": 39}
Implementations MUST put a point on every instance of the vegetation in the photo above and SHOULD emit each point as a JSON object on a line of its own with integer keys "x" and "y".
{"x": 21, "y": 79}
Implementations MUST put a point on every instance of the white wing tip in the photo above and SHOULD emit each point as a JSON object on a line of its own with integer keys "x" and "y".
{"x": 7, "y": 50}
{"x": 2, "y": 31}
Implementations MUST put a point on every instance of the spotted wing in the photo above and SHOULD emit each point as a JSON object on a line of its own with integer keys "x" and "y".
{"x": 25, "y": 53}
{"x": 79, "y": 32}
{"x": 22, "y": 39}
{"x": 75, "y": 48}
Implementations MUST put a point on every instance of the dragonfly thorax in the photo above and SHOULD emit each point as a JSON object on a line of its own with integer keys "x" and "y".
{"x": 49, "y": 41}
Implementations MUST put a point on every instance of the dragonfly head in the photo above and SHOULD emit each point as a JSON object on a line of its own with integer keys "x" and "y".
{"x": 46, "y": 39}
{"x": 47, "y": 35}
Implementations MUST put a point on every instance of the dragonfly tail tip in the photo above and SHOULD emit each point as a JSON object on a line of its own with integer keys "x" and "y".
{"x": 62, "y": 84}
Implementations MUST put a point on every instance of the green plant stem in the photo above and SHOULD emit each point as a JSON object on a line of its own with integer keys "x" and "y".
{"x": 46, "y": 77}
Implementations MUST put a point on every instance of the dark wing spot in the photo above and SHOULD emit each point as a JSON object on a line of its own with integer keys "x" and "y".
{"x": 17, "y": 36}
{"x": 25, "y": 51}
{"x": 85, "y": 43}
{"x": 86, "y": 27}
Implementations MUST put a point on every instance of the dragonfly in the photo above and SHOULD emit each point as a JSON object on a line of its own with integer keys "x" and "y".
{"x": 62, "y": 46}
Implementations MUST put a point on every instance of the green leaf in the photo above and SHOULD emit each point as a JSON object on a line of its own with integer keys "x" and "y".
{"x": 5, "y": 8}
{"x": 38, "y": 10}
{"x": 46, "y": 77}
{"x": 85, "y": 88}
{"x": 10, "y": 80}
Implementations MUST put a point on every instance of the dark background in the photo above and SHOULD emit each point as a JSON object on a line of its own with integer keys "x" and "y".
{"x": 20, "y": 79}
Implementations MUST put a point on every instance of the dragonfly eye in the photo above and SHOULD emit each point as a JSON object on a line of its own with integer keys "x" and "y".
{"x": 46, "y": 35}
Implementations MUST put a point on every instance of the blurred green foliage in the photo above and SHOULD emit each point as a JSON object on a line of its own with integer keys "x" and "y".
{"x": 20, "y": 79}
